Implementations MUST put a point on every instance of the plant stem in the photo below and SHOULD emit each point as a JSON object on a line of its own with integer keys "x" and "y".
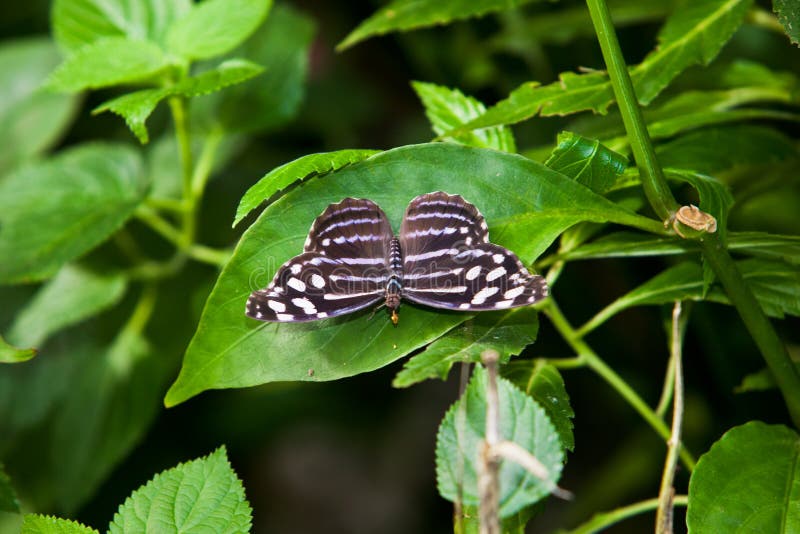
{"x": 761, "y": 330}
{"x": 653, "y": 181}
{"x": 666, "y": 494}
{"x": 594, "y": 362}
{"x": 604, "y": 520}
{"x": 178, "y": 106}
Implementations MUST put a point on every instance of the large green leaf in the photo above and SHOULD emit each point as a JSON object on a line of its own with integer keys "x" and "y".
{"x": 544, "y": 384}
{"x": 693, "y": 34}
{"x": 526, "y": 204}
{"x": 215, "y": 27}
{"x": 448, "y": 109}
{"x": 107, "y": 62}
{"x": 45, "y": 524}
{"x": 747, "y": 482}
{"x": 521, "y": 420}
{"x": 203, "y": 495}
{"x": 11, "y": 354}
{"x": 73, "y": 295}
{"x": 402, "y": 15}
{"x": 281, "y": 45}
{"x": 136, "y": 107}
{"x": 587, "y": 161}
{"x": 30, "y": 120}
{"x": 54, "y": 211}
{"x": 8, "y": 497}
{"x": 77, "y": 23}
{"x": 282, "y": 177}
{"x": 506, "y": 332}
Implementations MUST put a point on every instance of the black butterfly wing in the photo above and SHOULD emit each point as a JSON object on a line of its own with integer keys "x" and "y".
{"x": 449, "y": 263}
{"x": 343, "y": 269}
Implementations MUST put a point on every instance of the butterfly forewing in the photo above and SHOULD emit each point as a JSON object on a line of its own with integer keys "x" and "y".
{"x": 343, "y": 269}
{"x": 450, "y": 264}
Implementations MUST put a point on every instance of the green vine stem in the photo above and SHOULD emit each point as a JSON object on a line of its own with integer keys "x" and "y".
{"x": 663, "y": 203}
{"x": 604, "y": 520}
{"x": 772, "y": 348}
{"x": 653, "y": 181}
{"x": 596, "y": 364}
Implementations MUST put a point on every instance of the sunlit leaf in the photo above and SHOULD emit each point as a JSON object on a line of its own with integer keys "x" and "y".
{"x": 526, "y": 205}
{"x": 136, "y": 107}
{"x": 587, "y": 161}
{"x": 521, "y": 420}
{"x": 11, "y": 354}
{"x": 506, "y": 332}
{"x": 107, "y": 62}
{"x": 748, "y": 477}
{"x": 203, "y": 495}
{"x": 282, "y": 177}
{"x": 544, "y": 384}
{"x": 403, "y": 15}
{"x": 56, "y": 210}
{"x": 214, "y": 27}
{"x": 80, "y": 22}
{"x": 448, "y": 109}
{"x": 693, "y": 34}
{"x": 31, "y": 120}
{"x": 44, "y": 524}
{"x": 73, "y": 295}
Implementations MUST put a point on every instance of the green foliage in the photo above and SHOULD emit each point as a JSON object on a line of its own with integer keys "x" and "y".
{"x": 789, "y": 15}
{"x": 200, "y": 495}
{"x": 748, "y": 477}
{"x": 447, "y": 109}
{"x": 54, "y": 211}
{"x": 508, "y": 332}
{"x": 11, "y": 354}
{"x": 8, "y": 497}
{"x": 521, "y": 420}
{"x": 587, "y": 161}
{"x": 45, "y": 524}
{"x": 282, "y": 177}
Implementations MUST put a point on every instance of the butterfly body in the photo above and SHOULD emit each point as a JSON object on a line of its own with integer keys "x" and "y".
{"x": 441, "y": 258}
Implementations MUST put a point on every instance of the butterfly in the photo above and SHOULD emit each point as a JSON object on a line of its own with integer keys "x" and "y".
{"x": 351, "y": 259}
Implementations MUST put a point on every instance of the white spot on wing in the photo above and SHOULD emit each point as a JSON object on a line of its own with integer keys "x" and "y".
{"x": 276, "y": 305}
{"x": 295, "y": 268}
{"x": 284, "y": 316}
{"x": 306, "y": 304}
{"x": 504, "y": 304}
{"x": 326, "y": 242}
{"x": 498, "y": 258}
{"x": 481, "y": 296}
{"x": 473, "y": 273}
{"x": 296, "y": 283}
{"x": 514, "y": 293}
{"x": 464, "y": 306}
{"x": 495, "y": 273}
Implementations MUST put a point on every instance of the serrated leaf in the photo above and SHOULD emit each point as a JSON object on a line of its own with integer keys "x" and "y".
{"x": 748, "y": 478}
{"x": 203, "y": 495}
{"x": 693, "y": 34}
{"x": 281, "y": 44}
{"x": 106, "y": 62}
{"x": 73, "y": 295}
{"x": 544, "y": 384}
{"x": 526, "y": 205}
{"x": 403, "y": 15}
{"x": 136, "y": 107}
{"x": 8, "y": 497}
{"x": 31, "y": 121}
{"x": 215, "y": 27}
{"x": 521, "y": 420}
{"x": 789, "y": 15}
{"x": 304, "y": 167}
{"x": 77, "y": 23}
{"x": 54, "y": 211}
{"x": 45, "y": 524}
{"x": 11, "y": 354}
{"x": 587, "y": 161}
{"x": 506, "y": 332}
{"x": 448, "y": 109}
{"x": 712, "y": 150}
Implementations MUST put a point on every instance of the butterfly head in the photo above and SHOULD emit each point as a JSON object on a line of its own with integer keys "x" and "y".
{"x": 393, "y": 290}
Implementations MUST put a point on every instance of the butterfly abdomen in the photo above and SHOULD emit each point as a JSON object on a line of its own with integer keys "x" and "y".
{"x": 394, "y": 287}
